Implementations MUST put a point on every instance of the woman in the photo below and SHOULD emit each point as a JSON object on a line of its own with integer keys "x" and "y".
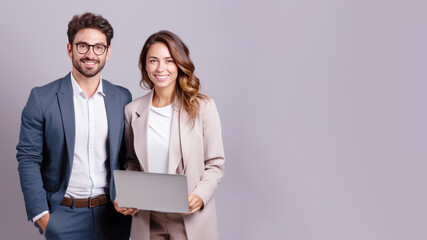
{"x": 174, "y": 129}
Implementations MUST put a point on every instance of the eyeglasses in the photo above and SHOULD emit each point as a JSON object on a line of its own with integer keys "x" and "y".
{"x": 83, "y": 48}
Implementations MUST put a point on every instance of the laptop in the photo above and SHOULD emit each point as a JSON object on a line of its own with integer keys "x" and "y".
{"x": 151, "y": 191}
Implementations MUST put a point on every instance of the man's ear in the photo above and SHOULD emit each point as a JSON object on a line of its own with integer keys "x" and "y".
{"x": 108, "y": 53}
{"x": 70, "y": 50}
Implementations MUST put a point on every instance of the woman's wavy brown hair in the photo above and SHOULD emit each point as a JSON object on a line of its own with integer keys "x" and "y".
{"x": 188, "y": 85}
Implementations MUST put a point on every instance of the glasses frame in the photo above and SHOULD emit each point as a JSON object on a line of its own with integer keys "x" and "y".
{"x": 93, "y": 48}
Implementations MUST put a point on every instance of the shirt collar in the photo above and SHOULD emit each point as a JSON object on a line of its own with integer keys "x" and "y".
{"x": 77, "y": 90}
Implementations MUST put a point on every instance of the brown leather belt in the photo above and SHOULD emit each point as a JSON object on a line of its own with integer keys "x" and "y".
{"x": 86, "y": 202}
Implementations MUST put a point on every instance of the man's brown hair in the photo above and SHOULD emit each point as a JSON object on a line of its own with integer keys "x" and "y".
{"x": 89, "y": 20}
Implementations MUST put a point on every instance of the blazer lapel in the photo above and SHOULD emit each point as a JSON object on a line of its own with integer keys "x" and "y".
{"x": 175, "y": 154}
{"x": 114, "y": 114}
{"x": 140, "y": 131}
{"x": 186, "y": 133}
{"x": 66, "y": 107}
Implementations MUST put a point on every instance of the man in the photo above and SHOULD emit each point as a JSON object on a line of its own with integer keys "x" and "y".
{"x": 71, "y": 141}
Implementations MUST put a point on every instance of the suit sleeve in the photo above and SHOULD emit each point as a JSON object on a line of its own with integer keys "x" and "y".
{"x": 214, "y": 158}
{"x": 132, "y": 162}
{"x": 30, "y": 156}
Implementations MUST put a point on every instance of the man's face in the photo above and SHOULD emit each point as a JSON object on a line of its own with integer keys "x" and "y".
{"x": 88, "y": 64}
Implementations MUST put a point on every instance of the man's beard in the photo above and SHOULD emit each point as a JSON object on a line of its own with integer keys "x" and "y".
{"x": 90, "y": 73}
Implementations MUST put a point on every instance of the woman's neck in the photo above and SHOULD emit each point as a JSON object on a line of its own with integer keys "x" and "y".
{"x": 163, "y": 98}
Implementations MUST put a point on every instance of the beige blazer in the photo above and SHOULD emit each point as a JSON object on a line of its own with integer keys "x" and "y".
{"x": 195, "y": 152}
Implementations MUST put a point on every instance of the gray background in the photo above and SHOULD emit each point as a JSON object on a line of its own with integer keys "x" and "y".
{"x": 322, "y": 105}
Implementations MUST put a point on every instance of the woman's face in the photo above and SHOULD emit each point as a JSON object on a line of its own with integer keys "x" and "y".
{"x": 161, "y": 67}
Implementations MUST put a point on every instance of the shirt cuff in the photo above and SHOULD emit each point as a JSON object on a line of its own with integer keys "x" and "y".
{"x": 39, "y": 216}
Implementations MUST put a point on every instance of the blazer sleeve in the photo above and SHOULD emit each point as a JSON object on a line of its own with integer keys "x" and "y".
{"x": 30, "y": 156}
{"x": 132, "y": 162}
{"x": 214, "y": 158}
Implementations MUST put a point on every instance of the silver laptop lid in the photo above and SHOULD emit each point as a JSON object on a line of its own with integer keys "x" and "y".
{"x": 151, "y": 191}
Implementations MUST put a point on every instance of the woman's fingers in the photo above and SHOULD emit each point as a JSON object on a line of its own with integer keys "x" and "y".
{"x": 195, "y": 203}
{"x": 125, "y": 211}
{"x": 134, "y": 211}
{"x": 130, "y": 211}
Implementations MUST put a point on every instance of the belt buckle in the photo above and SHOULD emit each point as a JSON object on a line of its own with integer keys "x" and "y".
{"x": 90, "y": 202}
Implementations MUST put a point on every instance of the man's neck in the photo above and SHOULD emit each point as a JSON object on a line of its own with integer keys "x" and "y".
{"x": 87, "y": 84}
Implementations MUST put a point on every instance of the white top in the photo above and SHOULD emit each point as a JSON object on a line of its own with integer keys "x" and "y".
{"x": 159, "y": 129}
{"x": 89, "y": 174}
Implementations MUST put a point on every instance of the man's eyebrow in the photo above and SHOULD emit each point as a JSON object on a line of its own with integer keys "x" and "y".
{"x": 98, "y": 43}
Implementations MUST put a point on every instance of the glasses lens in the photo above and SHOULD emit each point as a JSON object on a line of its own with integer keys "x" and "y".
{"x": 98, "y": 49}
{"x": 82, "y": 48}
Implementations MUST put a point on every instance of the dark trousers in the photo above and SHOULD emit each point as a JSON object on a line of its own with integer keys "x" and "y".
{"x": 98, "y": 223}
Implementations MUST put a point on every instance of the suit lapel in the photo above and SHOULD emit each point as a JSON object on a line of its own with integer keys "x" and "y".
{"x": 66, "y": 107}
{"x": 175, "y": 155}
{"x": 114, "y": 112}
{"x": 186, "y": 136}
{"x": 140, "y": 131}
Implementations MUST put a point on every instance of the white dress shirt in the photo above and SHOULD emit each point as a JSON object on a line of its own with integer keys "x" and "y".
{"x": 159, "y": 129}
{"x": 89, "y": 174}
